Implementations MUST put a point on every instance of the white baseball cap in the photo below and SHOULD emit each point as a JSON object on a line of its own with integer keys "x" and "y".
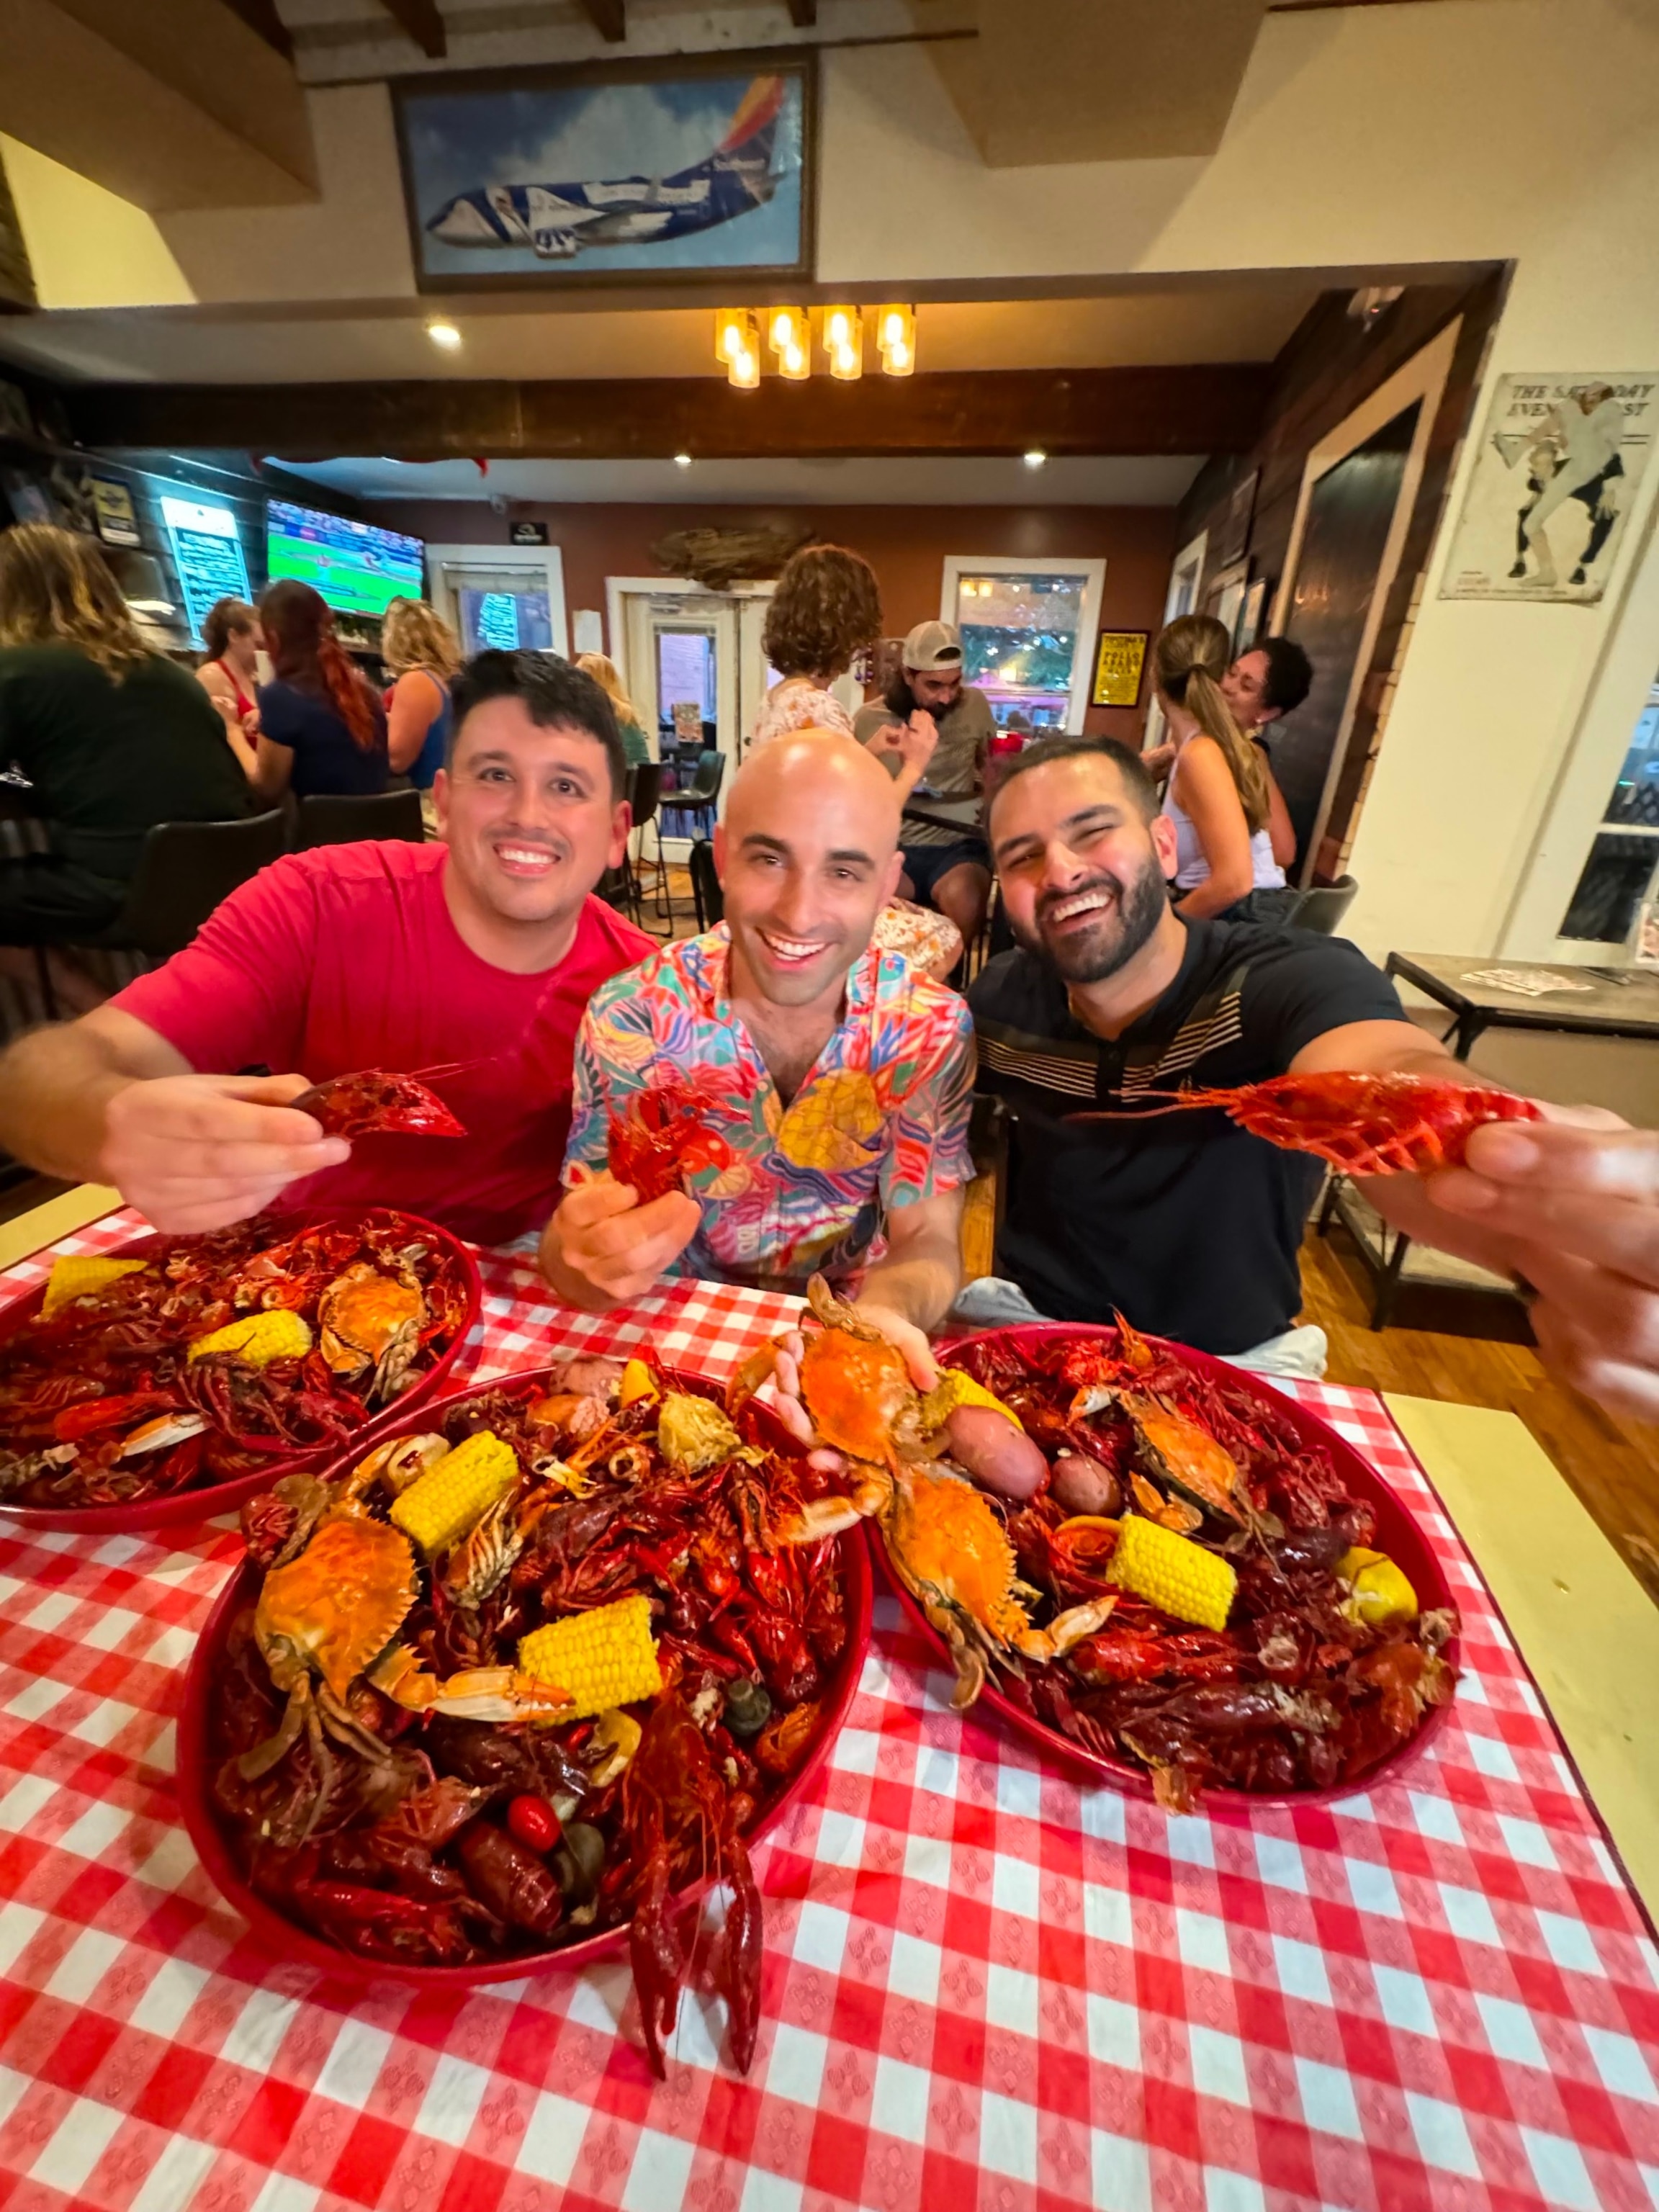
{"x": 934, "y": 648}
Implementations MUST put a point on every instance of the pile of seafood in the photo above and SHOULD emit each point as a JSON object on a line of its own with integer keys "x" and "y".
{"x": 1150, "y": 1561}
{"x": 196, "y": 1360}
{"x": 522, "y": 1678}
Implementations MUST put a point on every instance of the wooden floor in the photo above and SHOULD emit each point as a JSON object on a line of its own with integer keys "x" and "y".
{"x": 1612, "y": 1464}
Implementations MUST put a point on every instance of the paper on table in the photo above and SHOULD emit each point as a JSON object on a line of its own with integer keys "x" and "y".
{"x": 1527, "y": 982}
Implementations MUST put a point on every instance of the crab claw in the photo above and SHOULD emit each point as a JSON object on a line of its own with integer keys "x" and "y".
{"x": 1064, "y": 1630}
{"x": 495, "y": 1695}
{"x": 829, "y": 1517}
{"x": 165, "y": 1431}
{"x": 398, "y": 1464}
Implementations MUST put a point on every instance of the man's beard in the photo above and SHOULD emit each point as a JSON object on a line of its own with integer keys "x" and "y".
{"x": 1119, "y": 932}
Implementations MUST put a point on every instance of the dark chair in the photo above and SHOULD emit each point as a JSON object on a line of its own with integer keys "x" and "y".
{"x": 327, "y": 820}
{"x": 185, "y": 870}
{"x": 1322, "y": 908}
{"x": 706, "y": 885}
{"x": 644, "y": 790}
{"x": 697, "y": 799}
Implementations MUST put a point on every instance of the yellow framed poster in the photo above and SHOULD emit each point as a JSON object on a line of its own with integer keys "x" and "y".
{"x": 1118, "y": 660}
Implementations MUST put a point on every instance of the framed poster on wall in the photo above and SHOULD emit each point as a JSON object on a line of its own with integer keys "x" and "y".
{"x": 633, "y": 172}
{"x": 1119, "y": 659}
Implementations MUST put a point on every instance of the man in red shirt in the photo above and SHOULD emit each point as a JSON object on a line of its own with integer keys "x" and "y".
{"x": 475, "y": 957}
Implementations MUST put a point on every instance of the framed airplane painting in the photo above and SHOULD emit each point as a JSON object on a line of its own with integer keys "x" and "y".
{"x": 655, "y": 172}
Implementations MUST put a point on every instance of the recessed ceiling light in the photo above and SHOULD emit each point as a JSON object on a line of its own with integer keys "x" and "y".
{"x": 682, "y": 460}
{"x": 445, "y": 334}
{"x": 1035, "y": 458}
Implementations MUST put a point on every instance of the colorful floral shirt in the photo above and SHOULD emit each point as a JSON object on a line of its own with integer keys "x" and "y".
{"x": 880, "y": 1121}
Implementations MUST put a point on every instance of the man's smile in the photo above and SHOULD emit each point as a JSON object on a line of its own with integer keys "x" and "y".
{"x": 790, "y": 951}
{"x": 1078, "y": 908}
{"x": 529, "y": 861}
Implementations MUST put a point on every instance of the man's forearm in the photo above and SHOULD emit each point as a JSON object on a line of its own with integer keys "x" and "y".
{"x": 921, "y": 1282}
{"x": 55, "y": 1088}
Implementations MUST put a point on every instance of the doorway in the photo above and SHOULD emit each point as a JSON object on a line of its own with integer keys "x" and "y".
{"x": 694, "y": 665}
{"x": 506, "y": 596}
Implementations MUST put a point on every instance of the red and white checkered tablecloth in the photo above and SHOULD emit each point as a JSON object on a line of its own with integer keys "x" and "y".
{"x": 986, "y": 1985}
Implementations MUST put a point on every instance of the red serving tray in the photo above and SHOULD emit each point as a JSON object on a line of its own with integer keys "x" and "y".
{"x": 1397, "y": 1534}
{"x": 202, "y": 1502}
{"x": 286, "y": 1939}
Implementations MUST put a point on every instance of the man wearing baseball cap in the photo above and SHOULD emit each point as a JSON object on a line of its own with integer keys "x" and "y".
{"x": 942, "y": 868}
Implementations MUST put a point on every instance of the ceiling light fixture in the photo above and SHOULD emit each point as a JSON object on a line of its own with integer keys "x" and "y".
{"x": 896, "y": 335}
{"x": 682, "y": 460}
{"x": 843, "y": 341}
{"x": 738, "y": 344}
{"x": 1035, "y": 458}
{"x": 786, "y": 330}
{"x": 445, "y": 334}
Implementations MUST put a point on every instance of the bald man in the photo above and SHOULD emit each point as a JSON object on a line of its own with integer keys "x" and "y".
{"x": 835, "y": 1081}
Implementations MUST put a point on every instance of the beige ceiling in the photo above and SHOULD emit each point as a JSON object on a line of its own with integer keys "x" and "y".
{"x": 1246, "y": 319}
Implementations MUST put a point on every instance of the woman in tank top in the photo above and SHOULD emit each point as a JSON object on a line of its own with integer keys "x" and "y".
{"x": 1217, "y": 796}
{"x": 230, "y": 674}
{"x": 421, "y": 655}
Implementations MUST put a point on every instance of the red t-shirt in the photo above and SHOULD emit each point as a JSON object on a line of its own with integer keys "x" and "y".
{"x": 346, "y": 957}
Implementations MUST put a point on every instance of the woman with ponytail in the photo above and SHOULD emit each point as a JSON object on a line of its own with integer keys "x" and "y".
{"x": 1217, "y": 795}
{"x": 321, "y": 727}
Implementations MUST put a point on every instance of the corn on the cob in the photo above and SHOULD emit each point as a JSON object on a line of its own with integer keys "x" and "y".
{"x": 954, "y": 1389}
{"x": 1178, "y": 1577}
{"x": 258, "y": 1338}
{"x": 455, "y": 1493}
{"x": 72, "y": 1277}
{"x": 599, "y": 1659}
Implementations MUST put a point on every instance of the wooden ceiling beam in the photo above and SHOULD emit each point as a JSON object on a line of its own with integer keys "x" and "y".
{"x": 262, "y": 19}
{"x": 1192, "y": 408}
{"x": 421, "y": 20}
{"x": 608, "y": 17}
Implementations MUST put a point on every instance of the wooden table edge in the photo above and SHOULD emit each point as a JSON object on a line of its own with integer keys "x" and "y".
{"x": 42, "y": 1225}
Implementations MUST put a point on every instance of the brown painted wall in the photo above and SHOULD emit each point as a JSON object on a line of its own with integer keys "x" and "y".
{"x": 906, "y": 546}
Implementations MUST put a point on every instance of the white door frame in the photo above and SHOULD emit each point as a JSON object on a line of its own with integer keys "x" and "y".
{"x": 1093, "y": 571}
{"x": 1423, "y": 379}
{"x": 1576, "y": 808}
{"x": 546, "y": 559}
{"x": 1188, "y": 566}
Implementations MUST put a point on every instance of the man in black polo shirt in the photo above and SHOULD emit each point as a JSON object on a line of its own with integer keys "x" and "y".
{"x": 1186, "y": 1223}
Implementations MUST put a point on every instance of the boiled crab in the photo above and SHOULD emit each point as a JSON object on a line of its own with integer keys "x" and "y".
{"x": 369, "y": 1319}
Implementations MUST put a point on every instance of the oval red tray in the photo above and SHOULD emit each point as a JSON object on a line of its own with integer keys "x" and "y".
{"x": 1397, "y": 1534}
{"x": 206, "y": 1500}
{"x": 287, "y": 1940}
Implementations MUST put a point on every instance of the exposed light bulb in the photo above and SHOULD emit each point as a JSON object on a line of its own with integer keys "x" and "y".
{"x": 682, "y": 460}
{"x": 1035, "y": 458}
{"x": 445, "y": 334}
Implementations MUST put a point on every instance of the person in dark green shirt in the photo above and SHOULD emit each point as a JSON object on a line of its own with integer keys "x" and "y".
{"x": 606, "y": 674}
{"x": 110, "y": 737}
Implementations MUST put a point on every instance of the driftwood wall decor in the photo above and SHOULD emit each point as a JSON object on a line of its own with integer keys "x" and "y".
{"x": 720, "y": 558}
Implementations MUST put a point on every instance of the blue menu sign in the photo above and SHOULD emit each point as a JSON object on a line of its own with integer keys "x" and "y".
{"x": 206, "y": 551}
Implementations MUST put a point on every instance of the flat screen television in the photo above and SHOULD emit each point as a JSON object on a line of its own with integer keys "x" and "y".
{"x": 358, "y": 569}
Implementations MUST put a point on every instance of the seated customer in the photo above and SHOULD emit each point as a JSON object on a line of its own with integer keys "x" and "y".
{"x": 606, "y": 674}
{"x": 1186, "y": 1223}
{"x": 422, "y": 656}
{"x": 474, "y": 957}
{"x": 112, "y": 737}
{"x": 942, "y": 866}
{"x": 230, "y": 630}
{"x": 321, "y": 728}
{"x": 837, "y": 1079}
{"x": 1261, "y": 687}
{"x": 1217, "y": 797}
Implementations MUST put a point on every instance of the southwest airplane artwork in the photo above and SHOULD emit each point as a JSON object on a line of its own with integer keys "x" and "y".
{"x": 559, "y": 221}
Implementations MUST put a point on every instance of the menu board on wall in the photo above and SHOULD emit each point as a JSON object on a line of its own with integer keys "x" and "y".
{"x": 206, "y": 551}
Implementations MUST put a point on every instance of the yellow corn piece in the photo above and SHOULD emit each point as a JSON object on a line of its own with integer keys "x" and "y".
{"x": 953, "y": 1389}
{"x": 599, "y": 1659}
{"x": 637, "y": 1382}
{"x": 73, "y": 1278}
{"x": 1380, "y": 1591}
{"x": 1178, "y": 1577}
{"x": 258, "y": 1338}
{"x": 455, "y": 1493}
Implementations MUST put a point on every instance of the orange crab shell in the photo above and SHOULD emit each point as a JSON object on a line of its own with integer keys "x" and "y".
{"x": 342, "y": 1601}
{"x": 942, "y": 1533}
{"x": 856, "y": 1390}
{"x": 1186, "y": 1455}
{"x": 362, "y": 1311}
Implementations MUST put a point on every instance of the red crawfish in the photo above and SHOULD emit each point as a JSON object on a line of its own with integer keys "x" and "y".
{"x": 1365, "y": 1125}
{"x": 659, "y": 1138}
{"x": 354, "y": 1105}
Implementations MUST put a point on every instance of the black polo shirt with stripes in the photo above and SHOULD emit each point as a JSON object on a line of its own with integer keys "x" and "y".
{"x": 1184, "y": 1223}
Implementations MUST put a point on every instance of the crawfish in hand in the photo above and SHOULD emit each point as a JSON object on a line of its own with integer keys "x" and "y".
{"x": 659, "y": 1138}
